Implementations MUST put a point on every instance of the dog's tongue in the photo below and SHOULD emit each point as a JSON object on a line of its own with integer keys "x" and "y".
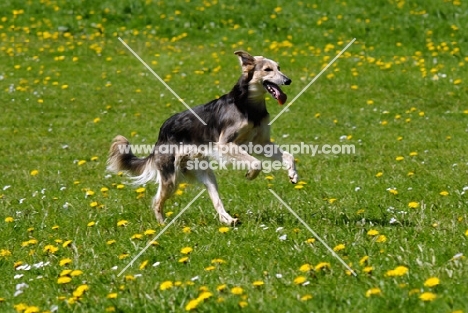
{"x": 282, "y": 97}
{"x": 279, "y": 95}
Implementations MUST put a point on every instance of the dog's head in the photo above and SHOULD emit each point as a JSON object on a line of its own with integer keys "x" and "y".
{"x": 263, "y": 75}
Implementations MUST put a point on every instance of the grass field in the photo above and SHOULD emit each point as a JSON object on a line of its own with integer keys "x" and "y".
{"x": 395, "y": 211}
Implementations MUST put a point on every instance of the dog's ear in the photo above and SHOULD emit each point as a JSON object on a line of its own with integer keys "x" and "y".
{"x": 246, "y": 60}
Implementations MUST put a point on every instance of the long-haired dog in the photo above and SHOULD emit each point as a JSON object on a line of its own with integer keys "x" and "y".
{"x": 235, "y": 120}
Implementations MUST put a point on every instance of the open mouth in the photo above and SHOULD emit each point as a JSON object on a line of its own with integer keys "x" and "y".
{"x": 275, "y": 91}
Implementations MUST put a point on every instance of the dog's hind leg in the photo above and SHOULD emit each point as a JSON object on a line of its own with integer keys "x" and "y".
{"x": 208, "y": 178}
{"x": 165, "y": 191}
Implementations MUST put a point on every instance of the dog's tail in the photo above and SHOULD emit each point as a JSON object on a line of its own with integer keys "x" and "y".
{"x": 121, "y": 158}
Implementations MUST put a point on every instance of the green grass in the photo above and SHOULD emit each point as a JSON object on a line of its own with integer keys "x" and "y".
{"x": 400, "y": 90}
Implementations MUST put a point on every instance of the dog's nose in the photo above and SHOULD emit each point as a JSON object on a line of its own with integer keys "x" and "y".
{"x": 287, "y": 81}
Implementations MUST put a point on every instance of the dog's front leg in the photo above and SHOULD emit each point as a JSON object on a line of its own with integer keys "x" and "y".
{"x": 274, "y": 152}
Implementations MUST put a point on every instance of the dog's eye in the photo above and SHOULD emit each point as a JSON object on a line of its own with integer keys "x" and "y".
{"x": 268, "y": 69}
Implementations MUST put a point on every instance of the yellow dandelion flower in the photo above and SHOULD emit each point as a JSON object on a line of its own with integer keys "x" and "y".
{"x": 210, "y": 268}
{"x": 322, "y": 265}
{"x": 432, "y": 282}
{"x": 120, "y": 186}
{"x": 63, "y": 280}
{"x": 223, "y": 230}
{"x": 32, "y": 309}
{"x": 140, "y": 190}
{"x": 372, "y": 232}
{"x": 65, "y": 273}
{"x": 91, "y": 224}
{"x": 75, "y": 273}
{"x": 205, "y": 295}
{"x": 399, "y": 158}
{"x": 339, "y": 247}
{"x": 381, "y": 238}
{"x": 104, "y": 189}
{"x": 9, "y": 219}
{"x": 50, "y": 249}
{"x": 186, "y": 250}
{"x": 192, "y": 304}
{"x": 34, "y": 172}
{"x": 80, "y": 290}
{"x": 457, "y": 81}
{"x": 122, "y": 223}
{"x": 64, "y": 262}
{"x": 363, "y": 260}
{"x": 258, "y": 283}
{"x": 67, "y": 243}
{"x": 398, "y": 271}
{"x": 379, "y": 174}
{"x": 217, "y": 261}
{"x": 93, "y": 204}
{"x": 299, "y": 280}
{"x": 373, "y": 292}
{"x": 306, "y": 297}
{"x": 110, "y": 242}
{"x": 414, "y": 291}
{"x": 166, "y": 285}
{"x": 310, "y": 240}
{"x": 137, "y": 236}
{"x": 81, "y": 162}
{"x": 237, "y": 290}
{"x": 186, "y": 230}
{"x": 179, "y": 192}
{"x": 269, "y": 177}
{"x": 184, "y": 259}
{"x": 243, "y": 304}
{"x": 221, "y": 287}
{"x": 123, "y": 256}
{"x": 149, "y": 232}
{"x": 306, "y": 268}
{"x": 143, "y": 264}
{"x": 113, "y": 295}
{"x": 368, "y": 269}
{"x": 20, "y": 307}
{"x": 444, "y": 193}
{"x": 428, "y": 296}
{"x": 413, "y": 205}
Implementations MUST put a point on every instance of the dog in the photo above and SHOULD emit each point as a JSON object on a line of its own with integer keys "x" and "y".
{"x": 234, "y": 120}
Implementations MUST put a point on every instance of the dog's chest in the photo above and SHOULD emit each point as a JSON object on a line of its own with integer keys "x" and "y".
{"x": 248, "y": 132}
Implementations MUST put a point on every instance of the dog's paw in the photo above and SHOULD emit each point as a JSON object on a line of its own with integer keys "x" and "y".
{"x": 293, "y": 177}
{"x": 252, "y": 174}
{"x": 228, "y": 219}
{"x": 235, "y": 222}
